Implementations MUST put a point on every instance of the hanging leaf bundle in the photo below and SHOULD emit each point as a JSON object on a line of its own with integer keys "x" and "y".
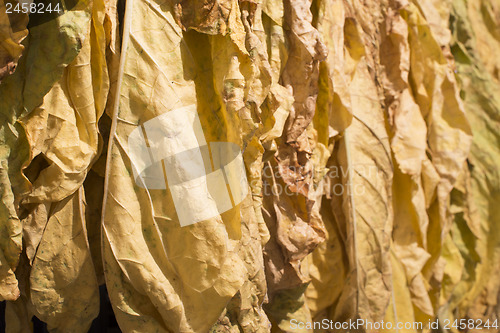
{"x": 251, "y": 166}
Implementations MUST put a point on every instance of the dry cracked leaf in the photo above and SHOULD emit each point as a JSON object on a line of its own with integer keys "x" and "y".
{"x": 13, "y": 30}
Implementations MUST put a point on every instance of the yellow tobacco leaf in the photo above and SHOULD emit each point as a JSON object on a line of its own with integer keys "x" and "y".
{"x": 63, "y": 285}
{"x": 207, "y": 16}
{"x": 93, "y": 197}
{"x": 59, "y": 117}
{"x": 10, "y": 238}
{"x": 408, "y": 144}
{"x": 245, "y": 308}
{"x": 359, "y": 268}
{"x": 477, "y": 235}
{"x": 448, "y": 134}
{"x": 400, "y": 310}
{"x": 50, "y": 47}
{"x": 453, "y": 270}
{"x": 255, "y": 105}
{"x": 364, "y": 156}
{"x": 33, "y": 227}
{"x": 8, "y": 289}
{"x": 162, "y": 275}
{"x": 483, "y": 18}
{"x": 409, "y": 236}
{"x": 64, "y": 127}
{"x": 327, "y": 266}
{"x": 334, "y": 96}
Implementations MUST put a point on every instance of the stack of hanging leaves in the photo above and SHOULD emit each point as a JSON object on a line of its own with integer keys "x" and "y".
{"x": 370, "y": 136}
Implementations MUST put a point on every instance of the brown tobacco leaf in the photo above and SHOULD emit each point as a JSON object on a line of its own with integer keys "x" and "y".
{"x": 301, "y": 71}
{"x": 206, "y": 16}
{"x": 13, "y": 30}
{"x": 283, "y": 257}
{"x": 291, "y": 201}
{"x": 296, "y": 229}
{"x": 295, "y": 226}
{"x": 332, "y": 278}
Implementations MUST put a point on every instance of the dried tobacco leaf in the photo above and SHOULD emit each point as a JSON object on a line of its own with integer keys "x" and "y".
{"x": 475, "y": 231}
{"x": 57, "y": 117}
{"x": 64, "y": 291}
{"x": 448, "y": 136}
{"x": 365, "y": 154}
{"x": 43, "y": 64}
{"x": 361, "y": 194}
{"x": 408, "y": 145}
{"x": 296, "y": 229}
{"x": 160, "y": 275}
